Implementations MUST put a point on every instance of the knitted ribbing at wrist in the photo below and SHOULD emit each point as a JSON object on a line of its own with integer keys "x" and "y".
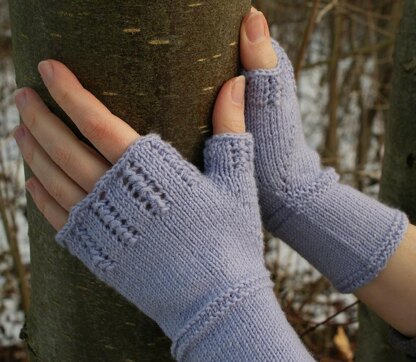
{"x": 346, "y": 235}
{"x": 214, "y": 311}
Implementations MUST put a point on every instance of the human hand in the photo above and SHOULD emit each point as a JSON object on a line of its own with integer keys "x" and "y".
{"x": 142, "y": 219}
{"x": 284, "y": 162}
{"x": 66, "y": 169}
{"x": 346, "y": 235}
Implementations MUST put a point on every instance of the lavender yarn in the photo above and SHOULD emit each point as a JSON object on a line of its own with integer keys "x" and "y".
{"x": 186, "y": 249}
{"x": 346, "y": 235}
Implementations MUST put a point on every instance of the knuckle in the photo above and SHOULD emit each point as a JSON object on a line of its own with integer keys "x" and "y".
{"x": 28, "y": 152}
{"x": 62, "y": 97}
{"x": 46, "y": 211}
{"x": 94, "y": 129}
{"x": 30, "y": 119}
{"x": 63, "y": 156}
{"x": 41, "y": 203}
{"x": 56, "y": 191}
{"x": 29, "y": 158}
{"x": 44, "y": 204}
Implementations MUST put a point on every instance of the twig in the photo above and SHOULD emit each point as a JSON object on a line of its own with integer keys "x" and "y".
{"x": 331, "y": 137}
{"x": 326, "y": 10}
{"x": 366, "y": 12}
{"x": 311, "y": 329}
{"x": 306, "y": 37}
{"x": 360, "y": 51}
{"x": 11, "y": 238}
{"x": 376, "y": 28}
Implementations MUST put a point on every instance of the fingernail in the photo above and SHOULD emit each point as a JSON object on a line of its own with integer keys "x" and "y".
{"x": 20, "y": 99}
{"x": 19, "y": 132}
{"x": 237, "y": 91}
{"x": 255, "y": 27}
{"x": 46, "y": 71}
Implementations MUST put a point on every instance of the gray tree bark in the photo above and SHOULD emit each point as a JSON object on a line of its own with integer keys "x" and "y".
{"x": 156, "y": 64}
{"x": 398, "y": 183}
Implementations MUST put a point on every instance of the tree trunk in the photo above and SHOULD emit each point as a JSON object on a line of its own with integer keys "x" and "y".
{"x": 156, "y": 64}
{"x": 399, "y": 170}
{"x": 331, "y": 137}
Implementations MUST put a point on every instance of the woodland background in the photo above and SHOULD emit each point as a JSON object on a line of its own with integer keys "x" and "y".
{"x": 342, "y": 54}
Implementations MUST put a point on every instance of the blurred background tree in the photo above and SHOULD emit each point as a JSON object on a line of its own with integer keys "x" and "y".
{"x": 342, "y": 53}
{"x": 399, "y": 172}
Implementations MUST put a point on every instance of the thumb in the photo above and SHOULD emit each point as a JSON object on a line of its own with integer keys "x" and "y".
{"x": 256, "y": 49}
{"x": 228, "y": 155}
{"x": 228, "y": 115}
{"x": 228, "y": 160}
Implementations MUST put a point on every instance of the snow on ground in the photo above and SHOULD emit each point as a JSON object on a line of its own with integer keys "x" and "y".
{"x": 11, "y": 318}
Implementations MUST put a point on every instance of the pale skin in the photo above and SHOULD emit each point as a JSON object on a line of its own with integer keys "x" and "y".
{"x": 66, "y": 169}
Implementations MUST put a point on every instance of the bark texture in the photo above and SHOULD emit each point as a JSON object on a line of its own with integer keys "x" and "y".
{"x": 398, "y": 184}
{"x": 156, "y": 64}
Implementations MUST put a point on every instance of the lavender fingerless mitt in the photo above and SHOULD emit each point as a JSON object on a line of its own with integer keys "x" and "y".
{"x": 346, "y": 235}
{"x": 186, "y": 249}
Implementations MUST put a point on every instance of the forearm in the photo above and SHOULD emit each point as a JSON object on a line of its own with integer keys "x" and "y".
{"x": 345, "y": 234}
{"x": 360, "y": 245}
{"x": 392, "y": 294}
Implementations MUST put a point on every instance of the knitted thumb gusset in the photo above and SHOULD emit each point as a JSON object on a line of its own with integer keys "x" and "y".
{"x": 345, "y": 234}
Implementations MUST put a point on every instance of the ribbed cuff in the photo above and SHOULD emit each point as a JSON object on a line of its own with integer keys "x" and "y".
{"x": 348, "y": 236}
{"x": 245, "y": 324}
{"x": 214, "y": 311}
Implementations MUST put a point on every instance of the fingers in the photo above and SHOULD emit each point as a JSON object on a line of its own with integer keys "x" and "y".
{"x": 63, "y": 189}
{"x": 46, "y": 204}
{"x": 256, "y": 49}
{"x": 228, "y": 115}
{"x": 108, "y": 133}
{"x": 81, "y": 163}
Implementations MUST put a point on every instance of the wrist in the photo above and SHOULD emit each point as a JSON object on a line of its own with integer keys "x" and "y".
{"x": 280, "y": 203}
{"x": 346, "y": 235}
{"x": 213, "y": 313}
{"x": 256, "y": 319}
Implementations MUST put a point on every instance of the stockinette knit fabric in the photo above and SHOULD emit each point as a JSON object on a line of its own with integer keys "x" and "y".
{"x": 186, "y": 248}
{"x": 345, "y": 234}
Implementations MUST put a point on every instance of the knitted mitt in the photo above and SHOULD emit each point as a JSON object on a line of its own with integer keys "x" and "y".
{"x": 346, "y": 235}
{"x": 186, "y": 248}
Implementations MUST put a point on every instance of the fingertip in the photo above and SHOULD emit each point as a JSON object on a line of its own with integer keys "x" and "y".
{"x": 48, "y": 62}
{"x": 228, "y": 115}
{"x": 256, "y": 48}
{"x": 20, "y": 97}
{"x": 45, "y": 69}
{"x": 53, "y": 71}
